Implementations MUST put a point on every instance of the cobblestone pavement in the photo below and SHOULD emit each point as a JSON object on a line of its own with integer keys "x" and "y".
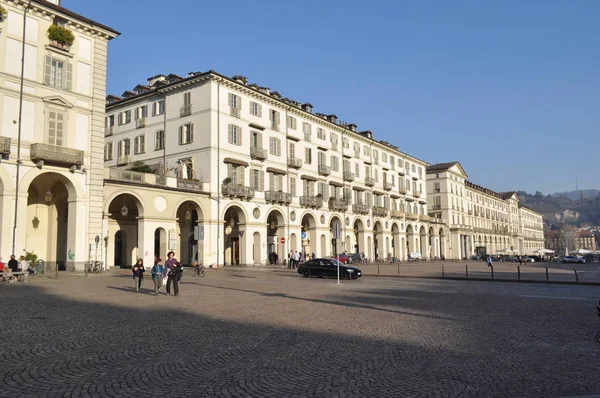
{"x": 238, "y": 333}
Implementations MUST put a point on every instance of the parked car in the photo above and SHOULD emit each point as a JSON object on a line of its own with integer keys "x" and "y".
{"x": 344, "y": 259}
{"x": 573, "y": 259}
{"x": 527, "y": 259}
{"x": 328, "y": 267}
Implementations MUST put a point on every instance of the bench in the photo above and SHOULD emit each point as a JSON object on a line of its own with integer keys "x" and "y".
{"x": 20, "y": 276}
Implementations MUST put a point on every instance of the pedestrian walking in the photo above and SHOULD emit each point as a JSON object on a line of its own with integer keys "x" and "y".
{"x": 296, "y": 259}
{"x": 174, "y": 275}
{"x": 489, "y": 261}
{"x": 138, "y": 274}
{"x": 157, "y": 275}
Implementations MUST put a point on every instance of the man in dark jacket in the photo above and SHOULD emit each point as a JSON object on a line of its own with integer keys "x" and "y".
{"x": 13, "y": 264}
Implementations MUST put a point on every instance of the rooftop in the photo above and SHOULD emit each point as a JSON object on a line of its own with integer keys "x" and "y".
{"x": 74, "y": 15}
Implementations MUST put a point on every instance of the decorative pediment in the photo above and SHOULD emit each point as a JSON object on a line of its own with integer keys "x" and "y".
{"x": 56, "y": 100}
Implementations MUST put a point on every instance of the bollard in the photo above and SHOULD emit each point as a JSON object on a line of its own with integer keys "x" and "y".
{"x": 443, "y": 274}
{"x": 467, "y": 270}
{"x": 518, "y": 272}
{"x": 56, "y": 268}
{"x": 576, "y": 276}
{"x": 546, "y": 273}
{"x": 398, "y": 269}
{"x": 492, "y": 269}
{"x": 377, "y": 269}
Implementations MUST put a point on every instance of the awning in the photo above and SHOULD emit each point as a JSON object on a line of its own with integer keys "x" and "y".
{"x": 276, "y": 171}
{"x": 236, "y": 162}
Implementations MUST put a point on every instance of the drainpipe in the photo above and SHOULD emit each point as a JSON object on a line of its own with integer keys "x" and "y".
{"x": 164, "y": 133}
{"x": 19, "y": 161}
{"x": 343, "y": 196}
{"x": 218, "y": 167}
{"x": 287, "y": 168}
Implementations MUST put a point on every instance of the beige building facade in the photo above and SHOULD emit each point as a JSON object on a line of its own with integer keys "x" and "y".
{"x": 480, "y": 220}
{"x": 51, "y": 132}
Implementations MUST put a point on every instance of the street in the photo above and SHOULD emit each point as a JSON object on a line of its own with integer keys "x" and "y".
{"x": 261, "y": 333}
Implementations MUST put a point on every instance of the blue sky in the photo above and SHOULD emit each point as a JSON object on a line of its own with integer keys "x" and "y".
{"x": 509, "y": 88}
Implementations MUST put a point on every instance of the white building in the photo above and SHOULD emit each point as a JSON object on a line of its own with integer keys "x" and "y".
{"x": 51, "y": 132}
{"x": 480, "y": 220}
{"x": 275, "y": 172}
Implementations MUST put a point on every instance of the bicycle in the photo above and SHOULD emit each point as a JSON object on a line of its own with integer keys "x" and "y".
{"x": 94, "y": 267}
{"x": 199, "y": 270}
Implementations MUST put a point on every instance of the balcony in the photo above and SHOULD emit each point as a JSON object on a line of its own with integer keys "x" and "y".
{"x": 417, "y": 194}
{"x": 311, "y": 201}
{"x": 387, "y": 186}
{"x": 424, "y": 217}
{"x": 337, "y": 205}
{"x": 278, "y": 197}
{"x": 369, "y": 181}
{"x": 348, "y": 176}
{"x": 294, "y": 163}
{"x": 379, "y": 211}
{"x": 375, "y": 160}
{"x": 237, "y": 191}
{"x": 194, "y": 185}
{"x": 412, "y": 216}
{"x": 108, "y": 131}
{"x": 437, "y": 220}
{"x": 397, "y": 214}
{"x": 360, "y": 208}
{"x": 185, "y": 110}
{"x": 357, "y": 154}
{"x": 402, "y": 191}
{"x": 141, "y": 122}
{"x": 4, "y": 146}
{"x": 436, "y": 207}
{"x": 470, "y": 212}
{"x": 234, "y": 111}
{"x": 274, "y": 125}
{"x": 122, "y": 160}
{"x": 258, "y": 153}
{"x": 324, "y": 170}
{"x": 56, "y": 154}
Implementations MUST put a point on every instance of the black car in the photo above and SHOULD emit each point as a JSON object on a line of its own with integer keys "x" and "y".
{"x": 328, "y": 267}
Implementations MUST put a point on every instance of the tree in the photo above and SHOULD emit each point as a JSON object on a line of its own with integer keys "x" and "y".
{"x": 142, "y": 167}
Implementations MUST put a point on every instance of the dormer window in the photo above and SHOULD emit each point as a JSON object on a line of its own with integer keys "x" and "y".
{"x": 60, "y": 22}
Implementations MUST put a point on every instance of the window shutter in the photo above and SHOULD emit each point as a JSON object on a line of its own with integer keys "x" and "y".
{"x": 271, "y": 182}
{"x": 230, "y": 97}
{"x": 241, "y": 174}
{"x": 69, "y": 77}
{"x": 262, "y": 181}
{"x": 191, "y": 132}
{"x": 277, "y": 117}
{"x": 239, "y": 103}
{"x": 180, "y": 135}
{"x": 259, "y": 140}
{"x": 259, "y": 110}
{"x": 48, "y": 70}
{"x": 239, "y": 136}
{"x": 230, "y": 133}
{"x": 142, "y": 143}
{"x": 278, "y": 147}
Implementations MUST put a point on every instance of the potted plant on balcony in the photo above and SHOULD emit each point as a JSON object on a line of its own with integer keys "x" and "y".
{"x": 60, "y": 37}
{"x": 319, "y": 196}
{"x": 227, "y": 181}
{"x": 2, "y": 13}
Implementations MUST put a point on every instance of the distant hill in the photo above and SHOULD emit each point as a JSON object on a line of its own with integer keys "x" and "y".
{"x": 575, "y": 195}
{"x": 586, "y": 203}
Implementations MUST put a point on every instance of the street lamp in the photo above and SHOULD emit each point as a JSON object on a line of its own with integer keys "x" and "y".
{"x": 124, "y": 209}
{"x": 48, "y": 196}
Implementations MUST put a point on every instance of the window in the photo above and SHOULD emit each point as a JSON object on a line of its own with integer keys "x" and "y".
{"x": 187, "y": 98}
{"x": 375, "y": 154}
{"x": 255, "y": 109}
{"x": 420, "y": 171}
{"x": 236, "y": 173}
{"x": 335, "y": 163}
{"x": 376, "y": 175}
{"x": 321, "y": 189}
{"x": 322, "y": 159}
{"x": 234, "y": 135}
{"x": 320, "y": 133}
{"x": 186, "y": 134}
{"x": 407, "y": 167}
{"x": 366, "y": 151}
{"x": 185, "y": 171}
{"x": 308, "y": 155}
{"x": 56, "y": 128}
{"x": 392, "y": 162}
{"x": 334, "y": 141}
{"x": 384, "y": 157}
{"x": 275, "y": 182}
{"x": 274, "y": 118}
{"x": 158, "y": 108}
{"x": 413, "y": 168}
{"x": 292, "y": 184}
{"x": 141, "y": 112}
{"x": 275, "y": 146}
{"x": 124, "y": 117}
{"x": 108, "y": 151}
{"x": 307, "y": 130}
{"x": 110, "y": 122}
{"x": 347, "y": 166}
{"x": 139, "y": 144}
{"x": 357, "y": 170}
{"x": 408, "y": 185}
{"x": 256, "y": 139}
{"x": 292, "y": 150}
{"x": 436, "y": 187}
{"x": 257, "y": 180}
{"x": 235, "y": 101}
{"x": 58, "y": 73}
{"x": 159, "y": 140}
{"x": 345, "y": 143}
{"x": 291, "y": 122}
{"x": 124, "y": 147}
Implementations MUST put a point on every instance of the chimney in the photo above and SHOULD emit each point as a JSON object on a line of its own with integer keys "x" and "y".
{"x": 307, "y": 107}
{"x": 265, "y": 90}
{"x": 352, "y": 127}
{"x": 240, "y": 79}
{"x": 367, "y": 133}
{"x": 332, "y": 118}
{"x": 154, "y": 79}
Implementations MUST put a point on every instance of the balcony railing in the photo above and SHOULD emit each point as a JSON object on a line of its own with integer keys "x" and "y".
{"x": 125, "y": 159}
{"x": 185, "y": 110}
{"x": 126, "y": 175}
{"x": 379, "y": 211}
{"x": 360, "y": 208}
{"x": 294, "y": 163}
{"x": 387, "y": 186}
{"x": 357, "y": 154}
{"x": 141, "y": 122}
{"x": 108, "y": 131}
{"x": 417, "y": 194}
{"x": 402, "y": 191}
{"x": 412, "y": 216}
{"x": 195, "y": 185}
{"x": 324, "y": 170}
{"x": 258, "y": 153}
{"x": 56, "y": 154}
{"x": 237, "y": 191}
{"x": 348, "y": 176}
{"x": 4, "y": 146}
{"x": 278, "y": 197}
{"x": 235, "y": 111}
{"x": 337, "y": 205}
{"x": 470, "y": 212}
{"x": 424, "y": 217}
{"x": 369, "y": 181}
{"x": 311, "y": 201}
{"x": 274, "y": 125}
{"x": 436, "y": 207}
{"x": 397, "y": 214}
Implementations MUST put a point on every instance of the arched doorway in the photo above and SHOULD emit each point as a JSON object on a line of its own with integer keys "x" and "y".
{"x": 336, "y": 244}
{"x": 234, "y": 232}
{"x": 378, "y": 243}
{"x": 188, "y": 216}
{"x": 160, "y": 243}
{"x": 359, "y": 236}
{"x": 309, "y": 234}
{"x": 410, "y": 237}
{"x": 123, "y": 213}
{"x": 51, "y": 230}
{"x": 275, "y": 231}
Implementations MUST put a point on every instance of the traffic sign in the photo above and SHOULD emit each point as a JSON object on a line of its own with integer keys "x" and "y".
{"x": 282, "y": 240}
{"x": 303, "y": 234}
{"x": 336, "y": 230}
